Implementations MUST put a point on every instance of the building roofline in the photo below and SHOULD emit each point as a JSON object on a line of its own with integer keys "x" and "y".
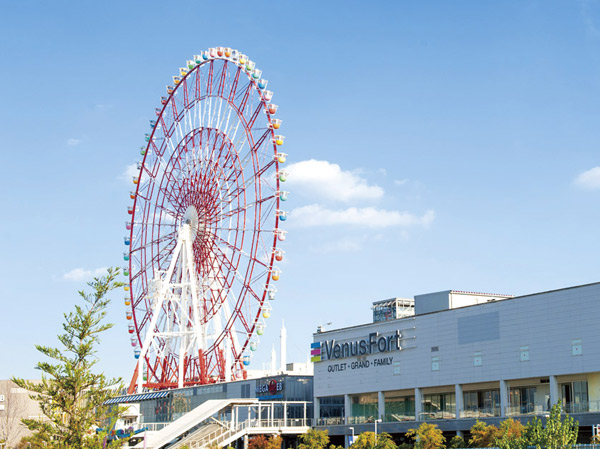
{"x": 511, "y": 298}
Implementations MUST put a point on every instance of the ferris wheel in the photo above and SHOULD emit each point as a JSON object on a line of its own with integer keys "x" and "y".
{"x": 204, "y": 225}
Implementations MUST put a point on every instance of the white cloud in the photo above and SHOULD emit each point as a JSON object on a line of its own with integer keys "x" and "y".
{"x": 72, "y": 142}
{"x": 370, "y": 217}
{"x": 589, "y": 179}
{"x": 344, "y": 245}
{"x": 327, "y": 180}
{"x": 130, "y": 172}
{"x": 82, "y": 275}
{"x": 400, "y": 182}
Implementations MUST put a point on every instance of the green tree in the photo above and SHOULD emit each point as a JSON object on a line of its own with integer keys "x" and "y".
{"x": 70, "y": 395}
{"x": 274, "y": 442}
{"x": 314, "y": 439}
{"x": 367, "y": 440}
{"x": 534, "y": 433}
{"x": 457, "y": 442}
{"x": 560, "y": 433}
{"x": 483, "y": 434}
{"x": 385, "y": 441}
{"x": 427, "y": 436}
{"x": 510, "y": 435}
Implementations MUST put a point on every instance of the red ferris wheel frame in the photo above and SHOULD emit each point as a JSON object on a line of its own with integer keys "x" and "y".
{"x": 212, "y": 155}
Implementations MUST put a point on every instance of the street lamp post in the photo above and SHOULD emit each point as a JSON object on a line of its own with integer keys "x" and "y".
{"x": 376, "y": 421}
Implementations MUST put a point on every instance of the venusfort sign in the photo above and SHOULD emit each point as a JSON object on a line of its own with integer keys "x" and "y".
{"x": 374, "y": 343}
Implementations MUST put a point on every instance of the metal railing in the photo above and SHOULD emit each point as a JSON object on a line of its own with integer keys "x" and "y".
{"x": 226, "y": 432}
{"x": 582, "y": 407}
{"x": 361, "y": 419}
{"x": 336, "y": 421}
{"x": 398, "y": 417}
{"x": 150, "y": 426}
{"x": 439, "y": 414}
{"x": 483, "y": 412}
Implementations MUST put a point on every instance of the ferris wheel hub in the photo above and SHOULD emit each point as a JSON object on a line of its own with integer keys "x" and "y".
{"x": 190, "y": 218}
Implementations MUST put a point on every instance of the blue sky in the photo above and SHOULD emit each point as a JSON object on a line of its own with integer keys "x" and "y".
{"x": 432, "y": 145}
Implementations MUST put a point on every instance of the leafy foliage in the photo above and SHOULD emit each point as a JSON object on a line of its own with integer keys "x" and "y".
{"x": 262, "y": 442}
{"x": 314, "y": 439}
{"x": 274, "y": 442}
{"x": 457, "y": 442}
{"x": 385, "y": 441}
{"x": 258, "y": 442}
{"x": 557, "y": 434}
{"x": 427, "y": 436}
{"x": 483, "y": 434}
{"x": 511, "y": 435}
{"x": 367, "y": 440}
{"x": 70, "y": 395}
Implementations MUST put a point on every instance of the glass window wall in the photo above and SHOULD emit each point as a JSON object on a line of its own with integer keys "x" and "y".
{"x": 365, "y": 408}
{"x": 439, "y": 406}
{"x": 481, "y": 404}
{"x": 399, "y": 407}
{"x": 574, "y": 396}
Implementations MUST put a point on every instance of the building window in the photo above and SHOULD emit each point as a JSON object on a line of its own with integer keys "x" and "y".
{"x": 365, "y": 407}
{"x": 439, "y": 406}
{"x": 332, "y": 410}
{"x": 435, "y": 363}
{"x": 576, "y": 347}
{"x": 477, "y": 359}
{"x": 522, "y": 400}
{"x": 399, "y": 407}
{"x": 481, "y": 404}
{"x": 575, "y": 396}
{"x": 524, "y": 353}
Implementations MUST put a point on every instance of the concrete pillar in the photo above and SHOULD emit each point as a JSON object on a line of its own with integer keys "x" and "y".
{"x": 503, "y": 398}
{"x": 381, "y": 405}
{"x": 316, "y": 411}
{"x": 245, "y": 441}
{"x": 458, "y": 396}
{"x": 347, "y": 408}
{"x": 554, "y": 391}
{"x": 306, "y": 423}
{"x": 418, "y": 403}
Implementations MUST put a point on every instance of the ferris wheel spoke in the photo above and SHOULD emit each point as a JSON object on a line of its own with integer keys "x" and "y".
{"x": 259, "y": 108}
{"x": 234, "y": 85}
{"x": 155, "y": 259}
{"x": 243, "y": 253}
{"x": 210, "y": 78}
{"x": 222, "y": 79}
{"x": 156, "y": 241}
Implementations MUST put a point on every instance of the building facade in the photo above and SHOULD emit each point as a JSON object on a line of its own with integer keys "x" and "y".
{"x": 155, "y": 409}
{"x": 461, "y": 357}
{"x": 15, "y": 404}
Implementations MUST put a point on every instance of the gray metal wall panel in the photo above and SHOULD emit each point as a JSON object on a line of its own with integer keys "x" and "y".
{"x": 432, "y": 302}
{"x": 547, "y": 323}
